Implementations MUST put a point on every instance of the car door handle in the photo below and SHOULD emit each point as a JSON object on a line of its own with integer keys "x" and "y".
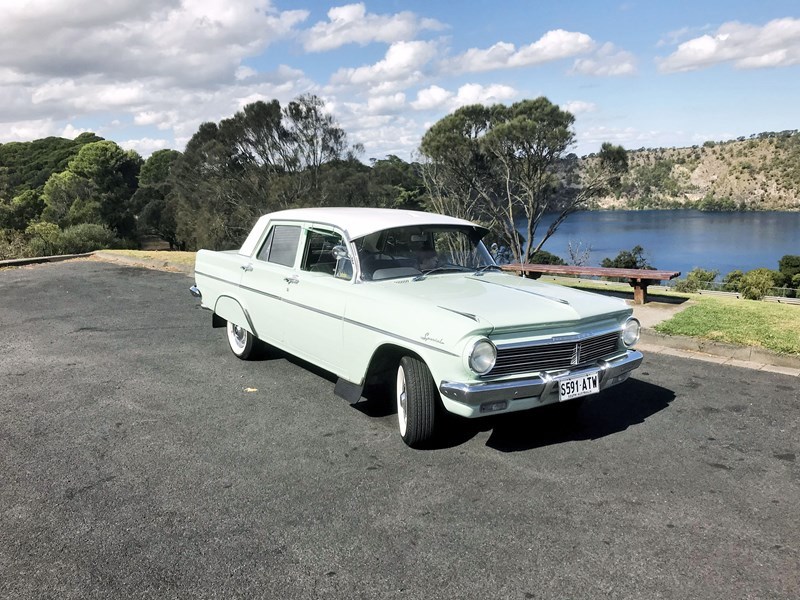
{"x": 246, "y": 268}
{"x": 292, "y": 279}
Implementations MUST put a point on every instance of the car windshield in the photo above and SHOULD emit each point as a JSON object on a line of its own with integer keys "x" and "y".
{"x": 419, "y": 250}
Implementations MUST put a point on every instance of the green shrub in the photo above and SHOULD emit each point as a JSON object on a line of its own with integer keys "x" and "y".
{"x": 12, "y": 244}
{"x": 732, "y": 281}
{"x": 85, "y": 237}
{"x": 48, "y": 239}
{"x": 43, "y": 239}
{"x": 789, "y": 266}
{"x": 695, "y": 280}
{"x": 755, "y": 284}
{"x": 628, "y": 259}
{"x": 543, "y": 257}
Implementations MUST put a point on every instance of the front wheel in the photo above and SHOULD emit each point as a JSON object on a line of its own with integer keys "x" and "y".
{"x": 241, "y": 341}
{"x": 416, "y": 401}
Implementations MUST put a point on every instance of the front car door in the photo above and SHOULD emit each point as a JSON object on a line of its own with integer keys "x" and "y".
{"x": 317, "y": 298}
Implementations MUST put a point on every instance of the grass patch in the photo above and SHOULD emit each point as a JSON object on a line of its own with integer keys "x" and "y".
{"x": 767, "y": 325}
{"x": 745, "y": 322}
{"x": 160, "y": 256}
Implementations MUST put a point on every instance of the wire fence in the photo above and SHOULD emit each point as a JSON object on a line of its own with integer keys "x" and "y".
{"x": 718, "y": 286}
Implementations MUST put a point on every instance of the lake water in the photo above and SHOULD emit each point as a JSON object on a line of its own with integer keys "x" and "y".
{"x": 681, "y": 240}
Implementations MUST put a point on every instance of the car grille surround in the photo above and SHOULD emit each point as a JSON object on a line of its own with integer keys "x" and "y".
{"x": 515, "y": 360}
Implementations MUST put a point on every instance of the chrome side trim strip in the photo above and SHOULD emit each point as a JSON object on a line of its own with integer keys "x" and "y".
{"x": 399, "y": 337}
{"x": 343, "y": 319}
{"x": 260, "y": 293}
{"x": 235, "y": 283}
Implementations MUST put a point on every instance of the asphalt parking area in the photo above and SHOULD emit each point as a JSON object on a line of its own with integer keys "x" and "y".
{"x": 140, "y": 458}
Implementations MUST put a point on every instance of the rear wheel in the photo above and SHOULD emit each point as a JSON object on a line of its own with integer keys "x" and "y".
{"x": 241, "y": 341}
{"x": 416, "y": 401}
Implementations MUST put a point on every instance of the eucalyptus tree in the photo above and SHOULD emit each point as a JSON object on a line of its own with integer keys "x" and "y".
{"x": 105, "y": 177}
{"x": 459, "y": 175}
{"x": 61, "y": 191}
{"x": 152, "y": 200}
{"x": 263, "y": 158}
{"x": 507, "y": 167}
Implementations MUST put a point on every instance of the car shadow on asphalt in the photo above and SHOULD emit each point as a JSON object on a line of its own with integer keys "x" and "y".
{"x": 610, "y": 412}
{"x": 613, "y": 411}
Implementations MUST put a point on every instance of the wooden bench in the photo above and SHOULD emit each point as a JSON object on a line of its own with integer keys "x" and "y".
{"x": 639, "y": 279}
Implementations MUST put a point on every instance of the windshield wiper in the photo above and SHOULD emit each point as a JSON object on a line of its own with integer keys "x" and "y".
{"x": 424, "y": 274}
{"x": 484, "y": 268}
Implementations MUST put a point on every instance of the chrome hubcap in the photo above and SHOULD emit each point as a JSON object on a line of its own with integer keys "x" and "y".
{"x": 238, "y": 336}
{"x": 402, "y": 400}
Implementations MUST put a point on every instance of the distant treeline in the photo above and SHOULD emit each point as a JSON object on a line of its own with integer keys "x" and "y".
{"x": 494, "y": 164}
{"x": 62, "y": 196}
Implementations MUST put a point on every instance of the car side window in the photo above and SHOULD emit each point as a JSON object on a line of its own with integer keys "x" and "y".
{"x": 318, "y": 255}
{"x": 280, "y": 247}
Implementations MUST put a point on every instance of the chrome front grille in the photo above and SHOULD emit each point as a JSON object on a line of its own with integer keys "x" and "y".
{"x": 550, "y": 357}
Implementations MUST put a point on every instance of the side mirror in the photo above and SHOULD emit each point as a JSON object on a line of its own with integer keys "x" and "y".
{"x": 339, "y": 252}
{"x": 344, "y": 266}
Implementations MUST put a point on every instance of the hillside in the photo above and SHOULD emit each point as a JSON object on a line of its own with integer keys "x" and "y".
{"x": 761, "y": 172}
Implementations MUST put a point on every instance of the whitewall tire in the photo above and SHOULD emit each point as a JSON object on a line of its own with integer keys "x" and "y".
{"x": 416, "y": 402}
{"x": 241, "y": 341}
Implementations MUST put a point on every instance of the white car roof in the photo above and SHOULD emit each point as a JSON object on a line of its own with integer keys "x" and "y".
{"x": 355, "y": 222}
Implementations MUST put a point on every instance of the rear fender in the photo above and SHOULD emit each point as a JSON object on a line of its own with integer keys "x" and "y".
{"x": 229, "y": 309}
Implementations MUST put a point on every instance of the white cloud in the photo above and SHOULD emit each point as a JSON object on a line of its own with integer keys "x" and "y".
{"x": 244, "y": 73}
{"x": 71, "y": 132}
{"x": 608, "y": 61}
{"x": 553, "y": 45}
{"x": 674, "y": 38}
{"x": 158, "y": 118}
{"x": 435, "y": 97}
{"x": 577, "y": 107}
{"x": 776, "y": 44}
{"x": 431, "y": 98}
{"x": 403, "y": 65}
{"x": 165, "y": 64}
{"x": 386, "y": 104}
{"x": 24, "y": 131}
{"x": 144, "y": 146}
{"x": 474, "y": 93}
{"x": 188, "y": 40}
{"x": 351, "y": 24}
{"x": 11, "y": 76}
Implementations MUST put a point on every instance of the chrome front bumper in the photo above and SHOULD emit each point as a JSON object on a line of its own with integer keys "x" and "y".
{"x": 611, "y": 372}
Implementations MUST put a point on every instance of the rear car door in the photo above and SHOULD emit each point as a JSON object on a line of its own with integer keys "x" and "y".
{"x": 266, "y": 279}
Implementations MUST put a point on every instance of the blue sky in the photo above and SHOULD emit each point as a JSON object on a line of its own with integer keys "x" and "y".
{"x": 146, "y": 73}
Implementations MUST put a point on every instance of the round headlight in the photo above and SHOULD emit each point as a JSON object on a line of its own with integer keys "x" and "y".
{"x": 482, "y": 357}
{"x": 630, "y": 332}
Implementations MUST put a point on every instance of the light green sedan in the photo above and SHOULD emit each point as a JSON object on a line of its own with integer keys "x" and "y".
{"x": 415, "y": 301}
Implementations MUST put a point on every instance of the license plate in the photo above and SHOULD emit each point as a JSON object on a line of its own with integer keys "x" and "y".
{"x": 575, "y": 387}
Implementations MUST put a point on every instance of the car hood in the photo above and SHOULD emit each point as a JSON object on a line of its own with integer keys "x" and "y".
{"x": 506, "y": 302}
